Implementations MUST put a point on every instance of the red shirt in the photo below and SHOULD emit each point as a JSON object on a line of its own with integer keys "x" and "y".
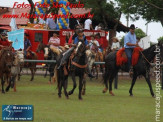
{"x": 100, "y": 41}
{"x": 4, "y": 43}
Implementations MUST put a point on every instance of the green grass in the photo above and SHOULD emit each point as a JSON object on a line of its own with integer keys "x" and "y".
{"x": 95, "y": 106}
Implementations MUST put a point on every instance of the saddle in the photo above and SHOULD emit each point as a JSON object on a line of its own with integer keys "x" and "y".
{"x": 121, "y": 57}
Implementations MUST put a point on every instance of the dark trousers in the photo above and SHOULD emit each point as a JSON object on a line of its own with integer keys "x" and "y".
{"x": 128, "y": 52}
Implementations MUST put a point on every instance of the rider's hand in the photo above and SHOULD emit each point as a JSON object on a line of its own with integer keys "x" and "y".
{"x": 137, "y": 45}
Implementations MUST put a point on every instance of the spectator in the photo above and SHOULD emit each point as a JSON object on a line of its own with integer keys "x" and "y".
{"x": 115, "y": 44}
{"x": 54, "y": 43}
{"x": 27, "y": 44}
{"x": 94, "y": 45}
{"x": 50, "y": 24}
{"x": 67, "y": 37}
{"x": 100, "y": 41}
{"x": 88, "y": 24}
{"x": 98, "y": 27}
{"x": 41, "y": 19}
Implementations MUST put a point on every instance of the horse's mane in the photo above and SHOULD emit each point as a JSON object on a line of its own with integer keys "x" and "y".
{"x": 146, "y": 51}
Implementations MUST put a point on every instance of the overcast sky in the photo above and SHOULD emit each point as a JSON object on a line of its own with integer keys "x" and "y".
{"x": 155, "y": 30}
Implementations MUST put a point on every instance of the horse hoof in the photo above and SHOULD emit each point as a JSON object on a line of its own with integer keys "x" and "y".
{"x": 67, "y": 97}
{"x": 153, "y": 96}
{"x": 80, "y": 98}
{"x": 131, "y": 95}
{"x": 112, "y": 94}
{"x": 105, "y": 90}
{"x": 59, "y": 96}
{"x": 69, "y": 93}
{"x": 3, "y": 92}
{"x": 83, "y": 92}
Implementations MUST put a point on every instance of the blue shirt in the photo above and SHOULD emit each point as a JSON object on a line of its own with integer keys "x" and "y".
{"x": 129, "y": 38}
{"x": 27, "y": 43}
{"x": 76, "y": 40}
{"x": 51, "y": 24}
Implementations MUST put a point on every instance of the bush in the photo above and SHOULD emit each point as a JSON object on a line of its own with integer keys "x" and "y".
{"x": 160, "y": 39}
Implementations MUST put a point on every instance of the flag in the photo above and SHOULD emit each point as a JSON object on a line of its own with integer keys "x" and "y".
{"x": 13, "y": 22}
{"x": 17, "y": 37}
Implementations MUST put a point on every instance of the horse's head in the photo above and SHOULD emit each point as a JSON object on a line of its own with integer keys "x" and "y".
{"x": 160, "y": 44}
{"x": 7, "y": 57}
{"x": 80, "y": 49}
{"x": 40, "y": 47}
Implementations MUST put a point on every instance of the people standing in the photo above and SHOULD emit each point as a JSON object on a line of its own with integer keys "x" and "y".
{"x": 115, "y": 44}
{"x": 88, "y": 24}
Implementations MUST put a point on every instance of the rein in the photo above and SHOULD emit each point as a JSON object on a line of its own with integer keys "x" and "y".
{"x": 78, "y": 65}
{"x": 145, "y": 57}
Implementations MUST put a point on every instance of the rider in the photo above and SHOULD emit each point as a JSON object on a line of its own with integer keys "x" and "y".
{"x": 3, "y": 41}
{"x": 130, "y": 42}
{"x": 67, "y": 54}
{"x": 54, "y": 43}
{"x": 94, "y": 45}
{"x": 27, "y": 44}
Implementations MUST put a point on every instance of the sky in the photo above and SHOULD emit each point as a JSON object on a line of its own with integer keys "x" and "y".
{"x": 155, "y": 29}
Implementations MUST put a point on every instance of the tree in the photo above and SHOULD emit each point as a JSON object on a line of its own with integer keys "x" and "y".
{"x": 104, "y": 12}
{"x": 151, "y": 10}
{"x": 32, "y": 11}
{"x": 160, "y": 39}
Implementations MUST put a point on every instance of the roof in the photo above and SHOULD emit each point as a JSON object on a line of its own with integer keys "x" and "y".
{"x": 18, "y": 11}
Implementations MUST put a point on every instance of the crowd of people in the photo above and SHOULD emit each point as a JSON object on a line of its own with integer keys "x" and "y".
{"x": 51, "y": 24}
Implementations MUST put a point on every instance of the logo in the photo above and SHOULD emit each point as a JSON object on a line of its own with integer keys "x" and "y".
{"x": 17, "y": 112}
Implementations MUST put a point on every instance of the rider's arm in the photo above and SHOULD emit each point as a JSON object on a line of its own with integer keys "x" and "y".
{"x": 130, "y": 44}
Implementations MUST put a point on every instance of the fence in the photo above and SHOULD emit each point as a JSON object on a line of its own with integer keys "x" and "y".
{"x": 100, "y": 63}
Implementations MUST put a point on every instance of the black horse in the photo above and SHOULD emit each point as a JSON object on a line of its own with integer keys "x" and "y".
{"x": 76, "y": 67}
{"x": 141, "y": 68}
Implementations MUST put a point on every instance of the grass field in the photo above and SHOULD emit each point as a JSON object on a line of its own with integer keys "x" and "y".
{"x": 95, "y": 106}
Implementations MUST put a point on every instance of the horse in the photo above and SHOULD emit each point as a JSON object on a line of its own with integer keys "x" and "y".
{"x": 6, "y": 62}
{"x": 48, "y": 55}
{"x": 141, "y": 68}
{"x": 78, "y": 65}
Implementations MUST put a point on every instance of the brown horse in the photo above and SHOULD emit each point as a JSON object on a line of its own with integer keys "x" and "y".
{"x": 32, "y": 65}
{"x": 6, "y": 62}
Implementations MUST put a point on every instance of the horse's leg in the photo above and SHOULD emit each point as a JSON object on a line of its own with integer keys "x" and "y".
{"x": 74, "y": 84}
{"x": 97, "y": 71}
{"x": 80, "y": 87}
{"x": 132, "y": 84}
{"x": 84, "y": 85}
{"x": 15, "y": 79}
{"x": 9, "y": 84}
{"x": 32, "y": 73}
{"x": 2, "y": 83}
{"x": 106, "y": 77}
{"x": 65, "y": 86}
{"x": 19, "y": 73}
{"x": 112, "y": 76}
{"x": 59, "y": 84}
{"x": 147, "y": 78}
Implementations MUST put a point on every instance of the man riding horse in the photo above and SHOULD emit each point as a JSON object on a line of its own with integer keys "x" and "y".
{"x": 80, "y": 37}
{"x": 130, "y": 42}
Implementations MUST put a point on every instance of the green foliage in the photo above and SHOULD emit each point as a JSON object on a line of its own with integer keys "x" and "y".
{"x": 160, "y": 39}
{"x": 140, "y": 8}
{"x": 139, "y": 33}
{"x": 103, "y": 10}
{"x": 122, "y": 42}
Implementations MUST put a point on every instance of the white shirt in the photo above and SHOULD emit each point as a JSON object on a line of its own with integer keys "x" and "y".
{"x": 54, "y": 40}
{"x": 91, "y": 44}
{"x": 115, "y": 45}
{"x": 97, "y": 28}
{"x": 87, "y": 24}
